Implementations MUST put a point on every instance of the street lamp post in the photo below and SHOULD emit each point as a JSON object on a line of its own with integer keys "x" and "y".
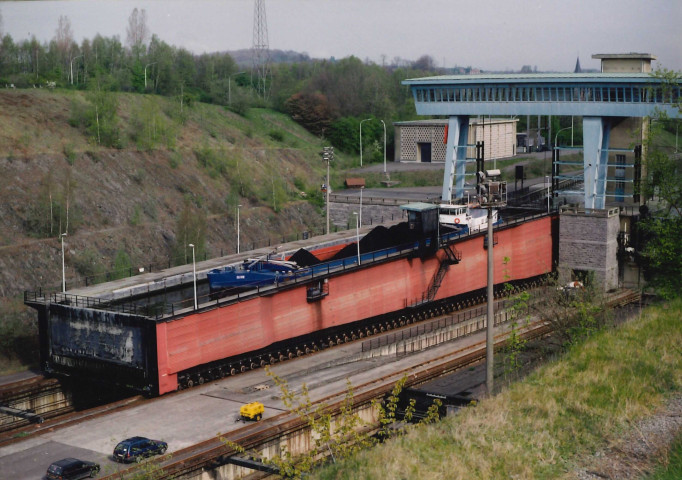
{"x": 547, "y": 183}
{"x": 194, "y": 274}
{"x": 555, "y": 153}
{"x": 357, "y": 235}
{"x": 382, "y": 122}
{"x": 238, "y": 207}
{"x": 361, "y": 189}
{"x": 63, "y": 269}
{"x": 556, "y": 137}
{"x": 361, "y": 138}
{"x": 71, "y": 67}
{"x": 145, "y": 73}
{"x": 229, "y": 88}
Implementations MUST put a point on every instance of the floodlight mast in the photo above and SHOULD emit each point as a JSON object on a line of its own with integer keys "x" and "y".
{"x": 327, "y": 155}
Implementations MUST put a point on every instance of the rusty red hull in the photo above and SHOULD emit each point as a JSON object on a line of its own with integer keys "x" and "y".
{"x": 522, "y": 251}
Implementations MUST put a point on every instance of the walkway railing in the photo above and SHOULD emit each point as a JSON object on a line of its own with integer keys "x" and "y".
{"x": 323, "y": 270}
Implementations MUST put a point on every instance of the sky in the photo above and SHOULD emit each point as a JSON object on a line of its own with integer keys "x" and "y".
{"x": 487, "y": 34}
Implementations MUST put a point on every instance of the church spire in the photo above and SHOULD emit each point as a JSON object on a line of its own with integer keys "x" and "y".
{"x": 577, "y": 66}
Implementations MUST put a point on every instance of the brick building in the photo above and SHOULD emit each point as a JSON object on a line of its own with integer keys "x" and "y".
{"x": 424, "y": 140}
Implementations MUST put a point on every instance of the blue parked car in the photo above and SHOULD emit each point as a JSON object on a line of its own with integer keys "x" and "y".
{"x": 134, "y": 449}
{"x": 71, "y": 469}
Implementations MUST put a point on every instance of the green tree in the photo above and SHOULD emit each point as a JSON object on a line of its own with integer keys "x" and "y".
{"x": 101, "y": 121}
{"x": 518, "y": 315}
{"x": 344, "y": 134}
{"x": 149, "y": 127}
{"x": 662, "y": 185}
{"x": 190, "y": 229}
{"x": 165, "y": 80}
{"x": 122, "y": 265}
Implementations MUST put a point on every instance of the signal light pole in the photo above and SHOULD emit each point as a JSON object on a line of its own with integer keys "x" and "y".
{"x": 327, "y": 156}
{"x": 238, "y": 207}
{"x": 491, "y": 193}
{"x": 194, "y": 274}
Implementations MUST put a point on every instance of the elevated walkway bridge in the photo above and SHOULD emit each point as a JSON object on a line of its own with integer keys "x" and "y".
{"x": 602, "y": 99}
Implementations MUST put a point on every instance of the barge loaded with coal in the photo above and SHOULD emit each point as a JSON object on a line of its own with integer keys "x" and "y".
{"x": 318, "y": 294}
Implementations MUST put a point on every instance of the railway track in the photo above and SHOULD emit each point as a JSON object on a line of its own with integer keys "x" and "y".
{"x": 31, "y": 401}
{"x": 216, "y": 452}
{"x": 66, "y": 418}
{"x": 60, "y": 413}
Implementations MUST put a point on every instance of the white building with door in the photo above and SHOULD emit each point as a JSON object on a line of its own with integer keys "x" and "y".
{"x": 424, "y": 141}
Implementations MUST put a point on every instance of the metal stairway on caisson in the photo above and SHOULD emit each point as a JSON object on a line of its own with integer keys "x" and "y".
{"x": 452, "y": 257}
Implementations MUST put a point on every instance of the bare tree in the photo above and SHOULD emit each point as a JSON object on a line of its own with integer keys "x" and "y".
{"x": 64, "y": 40}
{"x": 425, "y": 62}
{"x": 137, "y": 31}
{"x": 574, "y": 311}
{"x": 64, "y": 35}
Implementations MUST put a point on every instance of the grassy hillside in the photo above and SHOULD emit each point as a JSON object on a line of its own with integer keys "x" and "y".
{"x": 127, "y": 200}
{"x": 552, "y": 424}
{"x": 176, "y": 176}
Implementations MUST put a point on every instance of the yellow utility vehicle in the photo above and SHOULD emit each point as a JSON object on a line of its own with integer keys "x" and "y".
{"x": 252, "y": 411}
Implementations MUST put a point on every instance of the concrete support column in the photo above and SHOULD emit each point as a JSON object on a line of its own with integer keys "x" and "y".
{"x": 596, "y": 133}
{"x": 455, "y": 157}
{"x": 588, "y": 243}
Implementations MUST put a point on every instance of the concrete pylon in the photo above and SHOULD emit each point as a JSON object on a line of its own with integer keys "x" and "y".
{"x": 596, "y": 134}
{"x": 455, "y": 157}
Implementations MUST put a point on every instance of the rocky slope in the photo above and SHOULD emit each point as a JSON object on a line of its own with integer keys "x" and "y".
{"x": 128, "y": 202}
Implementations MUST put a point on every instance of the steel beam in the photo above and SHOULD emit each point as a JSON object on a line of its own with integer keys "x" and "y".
{"x": 25, "y": 414}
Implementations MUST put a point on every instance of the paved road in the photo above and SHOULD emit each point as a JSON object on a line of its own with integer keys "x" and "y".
{"x": 191, "y": 416}
{"x": 421, "y": 194}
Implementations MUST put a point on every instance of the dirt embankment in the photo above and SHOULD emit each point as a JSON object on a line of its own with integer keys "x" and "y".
{"x": 128, "y": 200}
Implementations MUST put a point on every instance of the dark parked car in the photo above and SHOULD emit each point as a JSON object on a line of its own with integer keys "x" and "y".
{"x": 136, "y": 448}
{"x": 71, "y": 468}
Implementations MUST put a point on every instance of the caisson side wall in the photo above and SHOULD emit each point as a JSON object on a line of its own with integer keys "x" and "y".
{"x": 521, "y": 251}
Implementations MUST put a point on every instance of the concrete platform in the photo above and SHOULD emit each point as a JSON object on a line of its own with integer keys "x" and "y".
{"x": 19, "y": 377}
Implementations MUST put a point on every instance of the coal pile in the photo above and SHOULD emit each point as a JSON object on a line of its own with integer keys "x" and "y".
{"x": 378, "y": 239}
{"x": 304, "y": 258}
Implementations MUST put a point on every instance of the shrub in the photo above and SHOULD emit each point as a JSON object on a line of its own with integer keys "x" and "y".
{"x": 276, "y": 135}
{"x": 122, "y": 265}
{"x": 88, "y": 263}
{"x": 175, "y": 160}
{"x": 136, "y": 216}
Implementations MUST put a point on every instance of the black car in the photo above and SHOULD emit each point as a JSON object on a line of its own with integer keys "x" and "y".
{"x": 136, "y": 448}
{"x": 71, "y": 468}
